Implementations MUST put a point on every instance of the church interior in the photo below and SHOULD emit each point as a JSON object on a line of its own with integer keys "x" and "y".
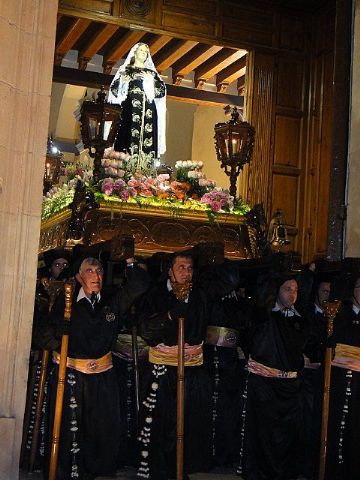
{"x": 261, "y": 129}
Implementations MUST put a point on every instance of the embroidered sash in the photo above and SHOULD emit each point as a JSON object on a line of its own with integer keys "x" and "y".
{"x": 258, "y": 368}
{"x": 87, "y": 365}
{"x": 347, "y": 356}
{"x": 222, "y": 336}
{"x": 165, "y": 355}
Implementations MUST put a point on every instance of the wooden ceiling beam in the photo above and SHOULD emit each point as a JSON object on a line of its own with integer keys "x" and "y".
{"x": 119, "y": 50}
{"x": 73, "y": 76}
{"x": 197, "y": 56}
{"x": 172, "y": 53}
{"x": 71, "y": 36}
{"x": 157, "y": 43}
{"x": 232, "y": 72}
{"x": 215, "y": 64}
{"x": 95, "y": 43}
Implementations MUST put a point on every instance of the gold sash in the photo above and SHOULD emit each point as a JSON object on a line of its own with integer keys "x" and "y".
{"x": 87, "y": 365}
{"x": 123, "y": 347}
{"x": 164, "y": 355}
{"x": 222, "y": 336}
{"x": 347, "y": 356}
{"x": 258, "y": 368}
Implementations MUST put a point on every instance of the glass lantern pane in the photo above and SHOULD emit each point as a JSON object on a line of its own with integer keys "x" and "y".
{"x": 93, "y": 128}
{"x": 107, "y": 127}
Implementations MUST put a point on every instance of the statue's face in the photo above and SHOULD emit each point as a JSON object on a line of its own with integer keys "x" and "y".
{"x": 141, "y": 53}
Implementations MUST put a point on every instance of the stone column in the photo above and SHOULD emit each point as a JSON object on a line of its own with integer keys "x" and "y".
{"x": 27, "y": 35}
{"x": 352, "y": 239}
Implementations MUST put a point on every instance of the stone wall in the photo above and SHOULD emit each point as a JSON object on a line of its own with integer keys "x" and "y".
{"x": 27, "y": 35}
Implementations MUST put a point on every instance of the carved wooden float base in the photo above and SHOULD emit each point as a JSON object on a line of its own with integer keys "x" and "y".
{"x": 154, "y": 229}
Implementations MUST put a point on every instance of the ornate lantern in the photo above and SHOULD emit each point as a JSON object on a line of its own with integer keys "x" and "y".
{"x": 234, "y": 143}
{"x": 99, "y": 124}
{"x": 53, "y": 165}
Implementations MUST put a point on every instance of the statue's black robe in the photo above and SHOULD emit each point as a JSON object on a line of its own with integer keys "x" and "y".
{"x": 273, "y": 408}
{"x": 344, "y": 389}
{"x": 89, "y": 440}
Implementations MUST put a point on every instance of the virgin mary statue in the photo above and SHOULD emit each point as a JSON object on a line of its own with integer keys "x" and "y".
{"x": 140, "y": 91}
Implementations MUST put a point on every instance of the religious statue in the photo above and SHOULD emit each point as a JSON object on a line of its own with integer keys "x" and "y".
{"x": 139, "y": 89}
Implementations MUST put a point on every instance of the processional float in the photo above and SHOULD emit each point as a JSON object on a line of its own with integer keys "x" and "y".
{"x": 89, "y": 217}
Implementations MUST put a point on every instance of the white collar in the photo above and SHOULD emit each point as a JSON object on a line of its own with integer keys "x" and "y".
{"x": 82, "y": 295}
{"x": 355, "y": 309}
{"x": 287, "y": 312}
{"x": 318, "y": 309}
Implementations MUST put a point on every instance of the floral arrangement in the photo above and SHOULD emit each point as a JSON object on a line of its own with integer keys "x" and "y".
{"x": 190, "y": 189}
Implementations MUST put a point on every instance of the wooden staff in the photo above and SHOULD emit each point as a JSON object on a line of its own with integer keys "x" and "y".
{"x": 53, "y": 288}
{"x": 180, "y": 403}
{"x": 54, "y": 453}
{"x": 330, "y": 311}
{"x": 181, "y": 292}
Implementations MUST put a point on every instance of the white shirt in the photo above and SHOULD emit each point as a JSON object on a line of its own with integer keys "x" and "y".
{"x": 288, "y": 312}
{"x": 82, "y": 295}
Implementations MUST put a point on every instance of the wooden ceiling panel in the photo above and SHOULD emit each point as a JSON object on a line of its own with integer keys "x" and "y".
{"x": 70, "y": 37}
{"x": 95, "y": 43}
{"x": 215, "y": 64}
{"x": 231, "y": 73}
{"x": 172, "y": 52}
{"x": 157, "y": 43}
{"x": 183, "y": 57}
{"x": 198, "y": 55}
{"x": 121, "y": 48}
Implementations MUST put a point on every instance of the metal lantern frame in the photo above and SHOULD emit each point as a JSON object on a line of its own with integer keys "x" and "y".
{"x": 96, "y": 134}
{"x": 234, "y": 144}
{"x": 53, "y": 165}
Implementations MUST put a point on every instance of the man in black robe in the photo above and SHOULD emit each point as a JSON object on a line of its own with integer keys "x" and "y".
{"x": 343, "y": 459}
{"x": 273, "y": 404}
{"x": 225, "y": 361}
{"x": 312, "y": 377}
{"x": 89, "y": 438}
{"x": 159, "y": 313}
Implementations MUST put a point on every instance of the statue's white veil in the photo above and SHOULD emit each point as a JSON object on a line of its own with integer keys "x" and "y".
{"x": 148, "y": 87}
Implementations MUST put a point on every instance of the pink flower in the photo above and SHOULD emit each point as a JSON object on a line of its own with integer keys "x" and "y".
{"x": 119, "y": 184}
{"x": 215, "y": 206}
{"x": 108, "y": 189}
{"x": 124, "y": 195}
{"x": 163, "y": 177}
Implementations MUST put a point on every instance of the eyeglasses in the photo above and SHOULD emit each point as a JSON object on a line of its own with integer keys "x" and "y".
{"x": 61, "y": 265}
